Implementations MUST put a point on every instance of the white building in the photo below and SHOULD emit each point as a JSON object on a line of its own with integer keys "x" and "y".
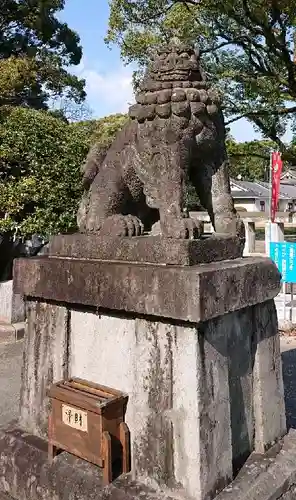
{"x": 254, "y": 196}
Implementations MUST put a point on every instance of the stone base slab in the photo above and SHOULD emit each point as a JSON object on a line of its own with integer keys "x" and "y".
{"x": 26, "y": 474}
{"x": 197, "y": 293}
{"x": 10, "y": 333}
{"x": 146, "y": 249}
{"x": 267, "y": 477}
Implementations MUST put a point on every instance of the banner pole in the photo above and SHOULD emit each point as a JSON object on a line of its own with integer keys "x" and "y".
{"x": 270, "y": 198}
{"x": 270, "y": 184}
{"x": 292, "y": 300}
{"x": 284, "y": 290}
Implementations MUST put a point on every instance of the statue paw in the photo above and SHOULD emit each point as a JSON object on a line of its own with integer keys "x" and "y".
{"x": 181, "y": 228}
{"x": 230, "y": 225}
{"x": 122, "y": 226}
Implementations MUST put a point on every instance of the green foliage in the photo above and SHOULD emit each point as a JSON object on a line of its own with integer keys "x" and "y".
{"x": 247, "y": 48}
{"x": 106, "y": 129}
{"x": 249, "y": 161}
{"x": 40, "y": 160}
{"x": 35, "y": 50}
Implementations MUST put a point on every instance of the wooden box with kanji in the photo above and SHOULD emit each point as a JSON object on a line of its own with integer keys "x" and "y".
{"x": 88, "y": 420}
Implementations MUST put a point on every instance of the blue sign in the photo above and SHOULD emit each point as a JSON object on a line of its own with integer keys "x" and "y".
{"x": 284, "y": 256}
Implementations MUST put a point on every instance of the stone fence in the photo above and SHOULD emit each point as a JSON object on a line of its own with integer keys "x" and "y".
{"x": 273, "y": 232}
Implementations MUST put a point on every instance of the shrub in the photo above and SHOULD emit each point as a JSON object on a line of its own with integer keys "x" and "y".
{"x": 40, "y": 160}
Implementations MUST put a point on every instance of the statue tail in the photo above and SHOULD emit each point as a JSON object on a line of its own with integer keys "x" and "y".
{"x": 91, "y": 166}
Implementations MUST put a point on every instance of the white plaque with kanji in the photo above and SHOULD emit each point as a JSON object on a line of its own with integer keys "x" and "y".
{"x": 74, "y": 418}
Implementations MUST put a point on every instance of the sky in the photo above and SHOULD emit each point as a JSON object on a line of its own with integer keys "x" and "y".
{"x": 108, "y": 80}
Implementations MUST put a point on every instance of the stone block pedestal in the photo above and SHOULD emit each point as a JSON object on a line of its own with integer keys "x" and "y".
{"x": 196, "y": 348}
{"x": 12, "y": 308}
{"x": 274, "y": 232}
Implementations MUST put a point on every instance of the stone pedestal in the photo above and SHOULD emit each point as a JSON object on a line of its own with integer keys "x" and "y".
{"x": 250, "y": 232}
{"x": 274, "y": 232}
{"x": 12, "y": 308}
{"x": 195, "y": 347}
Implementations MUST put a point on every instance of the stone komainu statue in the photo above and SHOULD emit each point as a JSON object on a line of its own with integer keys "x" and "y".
{"x": 176, "y": 132}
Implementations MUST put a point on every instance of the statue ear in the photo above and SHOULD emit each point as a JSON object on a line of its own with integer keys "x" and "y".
{"x": 197, "y": 52}
{"x": 150, "y": 52}
{"x": 175, "y": 42}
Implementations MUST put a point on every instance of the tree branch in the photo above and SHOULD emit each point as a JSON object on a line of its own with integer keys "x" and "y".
{"x": 263, "y": 112}
{"x": 217, "y": 47}
{"x": 188, "y": 2}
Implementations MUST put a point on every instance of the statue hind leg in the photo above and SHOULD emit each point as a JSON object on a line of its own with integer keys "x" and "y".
{"x": 107, "y": 209}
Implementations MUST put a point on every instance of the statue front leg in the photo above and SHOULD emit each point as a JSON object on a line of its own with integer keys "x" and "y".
{"x": 178, "y": 225}
{"x": 165, "y": 191}
{"x": 225, "y": 218}
{"x": 213, "y": 188}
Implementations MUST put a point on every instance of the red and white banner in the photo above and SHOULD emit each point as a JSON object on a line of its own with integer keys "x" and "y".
{"x": 276, "y": 171}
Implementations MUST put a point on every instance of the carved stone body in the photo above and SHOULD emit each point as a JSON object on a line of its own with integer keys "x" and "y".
{"x": 175, "y": 133}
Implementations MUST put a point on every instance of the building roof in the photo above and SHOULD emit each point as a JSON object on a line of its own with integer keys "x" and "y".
{"x": 287, "y": 189}
{"x": 289, "y": 174}
{"x": 247, "y": 189}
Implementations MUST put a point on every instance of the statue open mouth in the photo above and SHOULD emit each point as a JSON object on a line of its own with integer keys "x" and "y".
{"x": 176, "y": 74}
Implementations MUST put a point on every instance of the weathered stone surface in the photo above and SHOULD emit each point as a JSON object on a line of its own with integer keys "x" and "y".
{"x": 169, "y": 138}
{"x": 26, "y": 474}
{"x": 10, "y": 333}
{"x": 213, "y": 423}
{"x": 290, "y": 495}
{"x": 164, "y": 96}
{"x": 267, "y": 380}
{"x": 44, "y": 361}
{"x": 195, "y": 391}
{"x": 240, "y": 364}
{"x": 150, "y": 249}
{"x": 195, "y": 293}
{"x": 177, "y": 381}
{"x": 12, "y": 308}
{"x": 4, "y": 496}
{"x": 275, "y": 482}
{"x": 163, "y": 110}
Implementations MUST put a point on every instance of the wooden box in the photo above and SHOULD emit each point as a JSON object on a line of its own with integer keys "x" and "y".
{"x": 87, "y": 420}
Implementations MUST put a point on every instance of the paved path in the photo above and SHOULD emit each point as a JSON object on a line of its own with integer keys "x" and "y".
{"x": 288, "y": 347}
{"x": 10, "y": 372}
